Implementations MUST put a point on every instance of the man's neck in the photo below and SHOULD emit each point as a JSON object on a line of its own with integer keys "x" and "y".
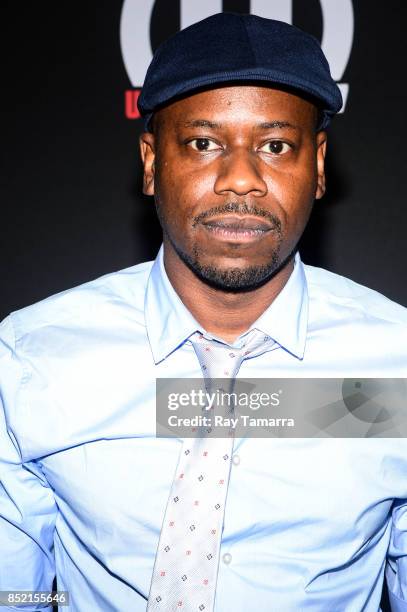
{"x": 224, "y": 314}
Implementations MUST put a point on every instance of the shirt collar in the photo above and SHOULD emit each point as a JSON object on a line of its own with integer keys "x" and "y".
{"x": 169, "y": 323}
{"x": 286, "y": 319}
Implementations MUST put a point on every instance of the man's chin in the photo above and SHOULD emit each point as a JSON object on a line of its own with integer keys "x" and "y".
{"x": 227, "y": 275}
{"x": 234, "y": 279}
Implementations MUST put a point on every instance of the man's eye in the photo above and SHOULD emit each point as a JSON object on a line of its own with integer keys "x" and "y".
{"x": 203, "y": 144}
{"x": 276, "y": 147}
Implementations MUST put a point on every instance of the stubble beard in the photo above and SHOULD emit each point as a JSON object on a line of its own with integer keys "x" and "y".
{"x": 233, "y": 279}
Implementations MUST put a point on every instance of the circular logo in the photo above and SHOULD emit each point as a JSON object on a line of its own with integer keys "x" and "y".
{"x": 135, "y": 29}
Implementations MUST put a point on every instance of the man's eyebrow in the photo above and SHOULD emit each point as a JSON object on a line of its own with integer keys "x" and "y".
{"x": 270, "y": 125}
{"x": 201, "y": 123}
{"x": 265, "y": 125}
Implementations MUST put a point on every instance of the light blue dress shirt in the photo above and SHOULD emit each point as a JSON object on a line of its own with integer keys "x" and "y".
{"x": 310, "y": 524}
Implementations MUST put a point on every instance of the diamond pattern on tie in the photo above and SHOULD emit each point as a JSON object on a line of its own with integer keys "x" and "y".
{"x": 187, "y": 559}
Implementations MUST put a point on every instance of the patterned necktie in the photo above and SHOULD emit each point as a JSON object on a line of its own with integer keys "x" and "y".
{"x": 187, "y": 559}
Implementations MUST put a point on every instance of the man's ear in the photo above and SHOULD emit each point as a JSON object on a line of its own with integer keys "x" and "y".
{"x": 147, "y": 152}
{"x": 321, "y": 152}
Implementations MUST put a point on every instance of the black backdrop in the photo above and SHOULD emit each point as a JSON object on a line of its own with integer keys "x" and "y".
{"x": 72, "y": 208}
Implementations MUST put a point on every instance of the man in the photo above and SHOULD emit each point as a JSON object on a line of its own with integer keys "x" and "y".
{"x": 236, "y": 109}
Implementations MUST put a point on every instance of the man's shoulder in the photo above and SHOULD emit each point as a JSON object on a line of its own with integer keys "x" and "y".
{"x": 351, "y": 298}
{"x": 85, "y": 304}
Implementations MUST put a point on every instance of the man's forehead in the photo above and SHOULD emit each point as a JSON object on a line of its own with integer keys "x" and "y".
{"x": 263, "y": 107}
{"x": 218, "y": 125}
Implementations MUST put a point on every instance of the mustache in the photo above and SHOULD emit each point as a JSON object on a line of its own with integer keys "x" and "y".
{"x": 241, "y": 208}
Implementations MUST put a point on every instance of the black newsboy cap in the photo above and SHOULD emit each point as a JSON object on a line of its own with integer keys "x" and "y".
{"x": 229, "y": 47}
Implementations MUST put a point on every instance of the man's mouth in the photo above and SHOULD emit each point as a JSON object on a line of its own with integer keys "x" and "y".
{"x": 237, "y": 229}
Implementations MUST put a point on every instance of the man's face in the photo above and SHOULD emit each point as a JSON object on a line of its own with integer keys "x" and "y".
{"x": 234, "y": 172}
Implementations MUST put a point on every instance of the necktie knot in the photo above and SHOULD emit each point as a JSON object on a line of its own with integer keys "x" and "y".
{"x": 220, "y": 360}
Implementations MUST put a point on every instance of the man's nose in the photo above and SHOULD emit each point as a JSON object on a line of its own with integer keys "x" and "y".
{"x": 239, "y": 173}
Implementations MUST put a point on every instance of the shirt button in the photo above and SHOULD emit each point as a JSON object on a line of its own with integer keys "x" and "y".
{"x": 227, "y": 558}
{"x": 236, "y": 459}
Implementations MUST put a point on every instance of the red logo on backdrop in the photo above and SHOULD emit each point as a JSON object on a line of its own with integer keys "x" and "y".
{"x": 135, "y": 28}
{"x": 130, "y": 103}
